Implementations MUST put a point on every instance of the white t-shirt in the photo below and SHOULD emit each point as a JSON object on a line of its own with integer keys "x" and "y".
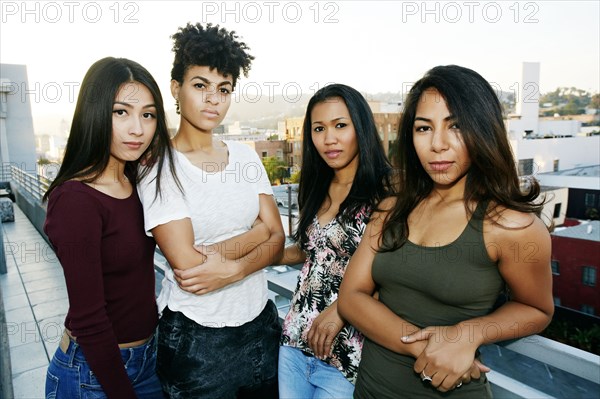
{"x": 220, "y": 205}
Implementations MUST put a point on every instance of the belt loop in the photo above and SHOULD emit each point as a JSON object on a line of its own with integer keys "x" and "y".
{"x": 72, "y": 351}
{"x": 149, "y": 346}
{"x": 130, "y": 355}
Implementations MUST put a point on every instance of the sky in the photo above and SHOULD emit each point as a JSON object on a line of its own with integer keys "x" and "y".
{"x": 374, "y": 46}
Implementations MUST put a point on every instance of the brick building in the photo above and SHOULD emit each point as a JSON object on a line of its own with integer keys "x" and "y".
{"x": 575, "y": 265}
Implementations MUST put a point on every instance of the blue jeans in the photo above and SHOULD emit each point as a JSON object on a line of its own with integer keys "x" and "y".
{"x": 230, "y": 362}
{"x": 69, "y": 375}
{"x": 305, "y": 376}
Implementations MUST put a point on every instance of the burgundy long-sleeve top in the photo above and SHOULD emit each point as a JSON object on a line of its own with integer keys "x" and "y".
{"x": 108, "y": 264}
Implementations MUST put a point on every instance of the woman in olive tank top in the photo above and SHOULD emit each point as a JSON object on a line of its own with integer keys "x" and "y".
{"x": 444, "y": 248}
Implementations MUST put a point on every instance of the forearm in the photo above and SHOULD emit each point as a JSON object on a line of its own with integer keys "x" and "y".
{"x": 176, "y": 241}
{"x": 263, "y": 255}
{"x": 377, "y": 322}
{"x": 186, "y": 258}
{"x": 511, "y": 321}
{"x": 291, "y": 255}
{"x": 241, "y": 245}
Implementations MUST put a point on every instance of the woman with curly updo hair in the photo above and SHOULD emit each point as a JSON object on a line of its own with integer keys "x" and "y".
{"x": 218, "y": 332}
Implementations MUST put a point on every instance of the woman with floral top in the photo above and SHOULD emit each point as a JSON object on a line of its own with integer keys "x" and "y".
{"x": 340, "y": 146}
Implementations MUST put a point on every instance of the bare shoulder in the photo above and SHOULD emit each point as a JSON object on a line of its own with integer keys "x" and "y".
{"x": 509, "y": 224}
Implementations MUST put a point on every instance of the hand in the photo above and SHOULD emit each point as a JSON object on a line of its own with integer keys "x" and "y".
{"x": 475, "y": 372}
{"x": 214, "y": 273}
{"x": 323, "y": 331}
{"x": 417, "y": 347}
{"x": 447, "y": 357}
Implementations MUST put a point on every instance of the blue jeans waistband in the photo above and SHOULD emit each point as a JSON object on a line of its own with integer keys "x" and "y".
{"x": 74, "y": 353}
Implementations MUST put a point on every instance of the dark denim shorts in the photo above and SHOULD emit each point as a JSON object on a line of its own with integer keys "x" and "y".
{"x": 230, "y": 362}
{"x": 69, "y": 374}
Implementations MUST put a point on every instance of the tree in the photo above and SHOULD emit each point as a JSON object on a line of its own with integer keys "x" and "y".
{"x": 567, "y": 100}
{"x": 276, "y": 169}
{"x": 43, "y": 161}
{"x": 595, "y": 103}
{"x": 295, "y": 178}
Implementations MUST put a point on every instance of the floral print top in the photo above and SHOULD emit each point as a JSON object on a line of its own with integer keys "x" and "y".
{"x": 328, "y": 252}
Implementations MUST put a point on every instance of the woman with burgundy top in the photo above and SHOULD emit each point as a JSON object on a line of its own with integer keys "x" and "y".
{"x": 96, "y": 226}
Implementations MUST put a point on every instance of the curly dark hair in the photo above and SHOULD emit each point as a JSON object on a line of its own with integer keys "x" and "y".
{"x": 209, "y": 46}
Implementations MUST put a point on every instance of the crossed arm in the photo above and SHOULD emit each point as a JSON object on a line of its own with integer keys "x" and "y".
{"x": 437, "y": 351}
{"x": 207, "y": 269}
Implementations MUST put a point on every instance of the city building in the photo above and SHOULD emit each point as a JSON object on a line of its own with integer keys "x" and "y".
{"x": 293, "y": 135}
{"x": 271, "y": 148}
{"x": 584, "y": 189}
{"x": 575, "y": 265}
{"x": 556, "y": 201}
{"x": 387, "y": 119}
{"x": 17, "y": 143}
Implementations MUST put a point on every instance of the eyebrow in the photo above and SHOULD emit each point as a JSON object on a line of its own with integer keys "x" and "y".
{"x": 223, "y": 83}
{"x": 333, "y": 120}
{"x": 421, "y": 118}
{"x": 131, "y": 106}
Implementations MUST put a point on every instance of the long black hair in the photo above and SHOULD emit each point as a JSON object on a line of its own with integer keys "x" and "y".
{"x": 88, "y": 146}
{"x": 492, "y": 175}
{"x": 372, "y": 179}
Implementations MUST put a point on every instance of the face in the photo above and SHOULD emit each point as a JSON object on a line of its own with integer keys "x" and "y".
{"x": 133, "y": 121}
{"x": 438, "y": 140}
{"x": 204, "y": 97}
{"x": 333, "y": 134}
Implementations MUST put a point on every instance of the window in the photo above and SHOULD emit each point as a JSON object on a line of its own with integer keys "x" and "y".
{"x": 555, "y": 267}
{"x": 555, "y": 165}
{"x": 526, "y": 167}
{"x": 264, "y": 154}
{"x": 587, "y": 309}
{"x": 556, "y": 210}
{"x": 589, "y": 276}
{"x": 590, "y": 200}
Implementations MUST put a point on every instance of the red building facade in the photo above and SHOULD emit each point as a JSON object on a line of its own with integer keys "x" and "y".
{"x": 575, "y": 267}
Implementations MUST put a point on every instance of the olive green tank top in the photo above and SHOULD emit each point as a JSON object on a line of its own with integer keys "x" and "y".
{"x": 429, "y": 286}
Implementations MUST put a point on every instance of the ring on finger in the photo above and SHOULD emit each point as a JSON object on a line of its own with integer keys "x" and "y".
{"x": 425, "y": 377}
{"x": 459, "y": 385}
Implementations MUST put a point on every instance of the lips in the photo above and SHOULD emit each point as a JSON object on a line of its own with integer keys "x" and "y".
{"x": 133, "y": 145}
{"x": 333, "y": 154}
{"x": 440, "y": 166}
{"x": 211, "y": 113}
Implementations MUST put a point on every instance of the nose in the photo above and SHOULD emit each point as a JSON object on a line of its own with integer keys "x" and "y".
{"x": 211, "y": 95}
{"x": 330, "y": 137}
{"x": 439, "y": 140}
{"x": 136, "y": 129}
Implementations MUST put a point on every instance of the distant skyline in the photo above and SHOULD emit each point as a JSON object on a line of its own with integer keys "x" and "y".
{"x": 374, "y": 46}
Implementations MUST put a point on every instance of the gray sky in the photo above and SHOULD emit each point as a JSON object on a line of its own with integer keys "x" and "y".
{"x": 374, "y": 46}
